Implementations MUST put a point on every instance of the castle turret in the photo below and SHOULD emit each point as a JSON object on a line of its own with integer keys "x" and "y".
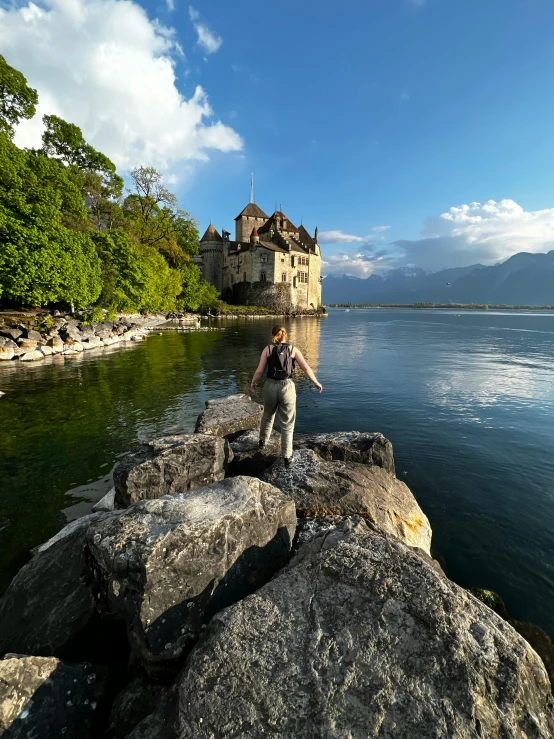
{"x": 254, "y": 238}
{"x": 210, "y": 249}
{"x": 251, "y": 217}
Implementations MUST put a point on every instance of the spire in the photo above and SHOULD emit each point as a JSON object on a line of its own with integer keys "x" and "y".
{"x": 316, "y": 233}
{"x": 254, "y": 238}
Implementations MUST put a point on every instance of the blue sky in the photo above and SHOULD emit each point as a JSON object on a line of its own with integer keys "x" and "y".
{"x": 433, "y": 118}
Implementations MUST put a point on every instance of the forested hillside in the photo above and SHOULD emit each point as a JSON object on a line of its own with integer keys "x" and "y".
{"x": 71, "y": 235}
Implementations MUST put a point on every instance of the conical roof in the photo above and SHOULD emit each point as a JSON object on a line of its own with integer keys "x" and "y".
{"x": 211, "y": 234}
{"x": 252, "y": 210}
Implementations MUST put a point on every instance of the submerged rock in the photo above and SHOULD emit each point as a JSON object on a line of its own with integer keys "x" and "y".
{"x": 321, "y": 488}
{"x": 166, "y": 566}
{"x": 350, "y": 446}
{"x": 43, "y": 698}
{"x": 31, "y": 356}
{"x": 359, "y": 637}
{"x": 170, "y": 465}
{"x": 229, "y": 416}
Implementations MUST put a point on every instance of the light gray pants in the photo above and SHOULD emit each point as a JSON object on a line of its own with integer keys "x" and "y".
{"x": 279, "y": 396}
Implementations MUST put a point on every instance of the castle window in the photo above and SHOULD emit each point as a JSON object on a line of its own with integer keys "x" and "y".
{"x": 284, "y": 277}
{"x": 282, "y": 259}
{"x": 263, "y": 258}
{"x": 303, "y": 277}
{"x": 263, "y": 277}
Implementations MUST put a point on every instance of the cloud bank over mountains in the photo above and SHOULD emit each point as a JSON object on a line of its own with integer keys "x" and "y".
{"x": 109, "y": 68}
{"x": 485, "y": 233}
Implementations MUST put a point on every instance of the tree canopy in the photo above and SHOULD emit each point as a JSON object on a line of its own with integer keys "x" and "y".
{"x": 69, "y": 235}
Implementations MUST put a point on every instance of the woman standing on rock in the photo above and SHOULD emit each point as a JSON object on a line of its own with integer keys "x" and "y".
{"x": 279, "y": 392}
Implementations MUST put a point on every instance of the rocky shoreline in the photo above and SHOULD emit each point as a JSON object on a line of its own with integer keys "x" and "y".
{"x": 217, "y": 593}
{"x": 47, "y": 335}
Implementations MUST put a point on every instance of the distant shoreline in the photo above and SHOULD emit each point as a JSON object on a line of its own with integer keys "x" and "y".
{"x": 455, "y": 307}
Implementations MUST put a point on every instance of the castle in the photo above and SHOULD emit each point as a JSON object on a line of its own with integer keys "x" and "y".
{"x": 270, "y": 257}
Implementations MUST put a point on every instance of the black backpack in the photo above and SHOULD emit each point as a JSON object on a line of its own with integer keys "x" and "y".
{"x": 280, "y": 364}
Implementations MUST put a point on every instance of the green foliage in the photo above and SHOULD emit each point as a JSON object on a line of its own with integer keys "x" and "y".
{"x": 66, "y": 234}
{"x": 17, "y": 99}
{"x": 94, "y": 315}
{"x": 43, "y": 261}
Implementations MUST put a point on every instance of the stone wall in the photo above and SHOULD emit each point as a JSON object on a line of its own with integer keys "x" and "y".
{"x": 274, "y": 297}
{"x": 212, "y": 262}
{"x": 244, "y": 226}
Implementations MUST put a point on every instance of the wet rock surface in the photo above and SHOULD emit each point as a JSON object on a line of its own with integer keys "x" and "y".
{"x": 43, "y": 698}
{"x": 321, "y": 488}
{"x": 359, "y": 637}
{"x": 170, "y": 465}
{"x": 166, "y": 566}
{"x": 229, "y": 416}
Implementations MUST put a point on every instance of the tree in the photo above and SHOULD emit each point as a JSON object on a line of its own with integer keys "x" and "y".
{"x": 43, "y": 261}
{"x": 17, "y": 99}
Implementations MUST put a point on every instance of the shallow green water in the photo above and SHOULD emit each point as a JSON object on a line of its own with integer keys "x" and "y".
{"x": 468, "y": 403}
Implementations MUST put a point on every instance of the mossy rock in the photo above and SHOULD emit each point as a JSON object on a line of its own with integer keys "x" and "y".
{"x": 537, "y": 637}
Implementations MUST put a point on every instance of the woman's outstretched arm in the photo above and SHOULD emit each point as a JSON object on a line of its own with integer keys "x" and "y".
{"x": 259, "y": 371}
{"x": 307, "y": 369}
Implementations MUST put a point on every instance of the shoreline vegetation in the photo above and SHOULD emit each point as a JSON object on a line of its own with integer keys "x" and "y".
{"x": 441, "y": 306}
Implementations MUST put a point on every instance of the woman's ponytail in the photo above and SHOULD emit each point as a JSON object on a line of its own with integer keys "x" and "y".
{"x": 279, "y": 334}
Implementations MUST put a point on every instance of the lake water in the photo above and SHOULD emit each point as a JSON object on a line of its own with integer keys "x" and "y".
{"x": 468, "y": 403}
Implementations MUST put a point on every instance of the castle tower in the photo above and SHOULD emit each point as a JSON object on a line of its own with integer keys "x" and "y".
{"x": 254, "y": 238}
{"x": 251, "y": 217}
{"x": 210, "y": 249}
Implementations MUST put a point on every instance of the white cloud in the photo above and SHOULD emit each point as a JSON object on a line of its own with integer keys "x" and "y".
{"x": 104, "y": 65}
{"x": 379, "y": 229}
{"x": 209, "y": 41}
{"x": 337, "y": 237}
{"x": 480, "y": 232}
{"x": 170, "y": 5}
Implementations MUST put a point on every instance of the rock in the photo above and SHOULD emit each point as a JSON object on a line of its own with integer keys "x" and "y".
{"x": 32, "y": 335}
{"x": 93, "y": 342}
{"x": 107, "y": 503}
{"x": 135, "y": 702}
{"x": 359, "y": 637}
{"x": 229, "y": 416}
{"x": 166, "y": 566}
{"x": 31, "y": 356}
{"x": 170, "y": 465}
{"x": 43, "y": 698}
{"x": 7, "y": 348}
{"x": 47, "y": 609}
{"x": 11, "y": 333}
{"x": 537, "y": 637}
{"x": 72, "y": 347}
{"x": 56, "y": 344}
{"x": 70, "y": 332}
{"x": 350, "y": 446}
{"x": 27, "y": 345}
{"x": 47, "y": 351}
{"x": 248, "y": 458}
{"x": 321, "y": 488}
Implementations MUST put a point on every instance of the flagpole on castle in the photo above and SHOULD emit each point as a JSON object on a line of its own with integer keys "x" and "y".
{"x": 252, "y": 188}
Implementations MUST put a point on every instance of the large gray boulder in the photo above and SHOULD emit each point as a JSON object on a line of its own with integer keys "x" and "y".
{"x": 166, "y": 566}
{"x": 350, "y": 446}
{"x": 8, "y": 347}
{"x": 11, "y": 333}
{"x": 170, "y": 465}
{"x": 229, "y": 416}
{"x": 322, "y": 488}
{"x": 140, "y": 698}
{"x": 248, "y": 458}
{"x": 360, "y": 637}
{"x": 48, "y": 610}
{"x": 43, "y": 698}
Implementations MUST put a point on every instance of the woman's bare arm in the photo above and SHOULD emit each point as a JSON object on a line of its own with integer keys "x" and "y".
{"x": 259, "y": 371}
{"x": 307, "y": 369}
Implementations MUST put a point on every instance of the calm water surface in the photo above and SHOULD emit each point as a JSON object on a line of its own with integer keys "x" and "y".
{"x": 467, "y": 401}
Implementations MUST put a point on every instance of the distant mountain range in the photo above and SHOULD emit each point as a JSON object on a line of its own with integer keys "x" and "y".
{"x": 524, "y": 279}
